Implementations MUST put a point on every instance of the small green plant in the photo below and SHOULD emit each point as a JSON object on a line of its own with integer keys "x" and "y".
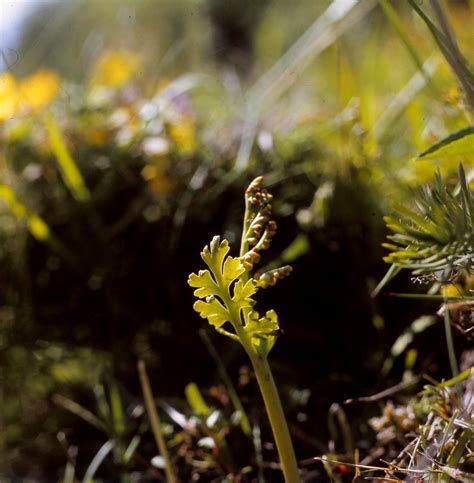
{"x": 439, "y": 237}
{"x": 436, "y": 242}
{"x": 123, "y": 434}
{"x": 225, "y": 292}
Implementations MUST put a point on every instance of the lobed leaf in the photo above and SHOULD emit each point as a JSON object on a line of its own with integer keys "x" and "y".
{"x": 216, "y": 284}
{"x": 214, "y": 254}
{"x": 213, "y": 311}
{"x": 263, "y": 331}
{"x": 204, "y": 283}
{"x": 225, "y": 270}
{"x": 233, "y": 268}
{"x": 243, "y": 293}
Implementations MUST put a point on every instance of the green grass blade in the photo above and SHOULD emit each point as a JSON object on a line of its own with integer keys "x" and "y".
{"x": 196, "y": 401}
{"x": 257, "y": 443}
{"x": 78, "y": 410}
{"x": 458, "y": 143}
{"x": 453, "y": 362}
{"x": 237, "y": 403}
{"x": 337, "y": 415}
{"x": 36, "y": 225}
{"x": 131, "y": 448}
{"x": 116, "y": 409}
{"x": 397, "y": 24}
{"x": 98, "y": 459}
{"x": 453, "y": 381}
{"x": 70, "y": 172}
{"x": 339, "y": 17}
{"x": 451, "y": 470}
{"x": 438, "y": 36}
{"x": 445, "y": 40}
{"x": 38, "y": 228}
{"x": 391, "y": 273}
{"x": 69, "y": 473}
{"x": 103, "y": 406}
{"x": 406, "y": 338}
{"x": 406, "y": 96}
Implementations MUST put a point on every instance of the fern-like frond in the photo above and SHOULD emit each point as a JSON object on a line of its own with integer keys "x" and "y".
{"x": 225, "y": 290}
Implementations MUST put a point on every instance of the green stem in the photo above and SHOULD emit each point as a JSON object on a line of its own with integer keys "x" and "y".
{"x": 449, "y": 340}
{"x": 243, "y": 243}
{"x": 276, "y": 416}
{"x": 271, "y": 398}
{"x": 456, "y": 454}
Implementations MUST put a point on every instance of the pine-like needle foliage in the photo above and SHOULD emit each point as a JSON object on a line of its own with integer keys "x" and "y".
{"x": 438, "y": 237}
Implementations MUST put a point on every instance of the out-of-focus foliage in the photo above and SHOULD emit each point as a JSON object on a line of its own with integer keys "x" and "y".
{"x": 126, "y": 139}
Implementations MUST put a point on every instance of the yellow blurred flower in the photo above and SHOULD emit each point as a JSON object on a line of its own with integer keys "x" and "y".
{"x": 162, "y": 185}
{"x": 8, "y": 96}
{"x": 39, "y": 89}
{"x": 31, "y": 94}
{"x": 183, "y": 133}
{"x": 114, "y": 68}
{"x": 149, "y": 172}
{"x": 157, "y": 180}
{"x": 452, "y": 290}
{"x": 96, "y": 136}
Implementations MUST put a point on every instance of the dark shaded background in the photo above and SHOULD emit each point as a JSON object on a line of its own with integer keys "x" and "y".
{"x": 124, "y": 295}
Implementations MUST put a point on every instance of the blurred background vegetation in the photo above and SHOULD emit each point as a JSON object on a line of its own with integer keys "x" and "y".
{"x": 128, "y": 133}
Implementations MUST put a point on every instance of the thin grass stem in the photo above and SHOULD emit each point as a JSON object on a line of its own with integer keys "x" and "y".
{"x": 449, "y": 340}
{"x": 155, "y": 421}
{"x": 234, "y": 397}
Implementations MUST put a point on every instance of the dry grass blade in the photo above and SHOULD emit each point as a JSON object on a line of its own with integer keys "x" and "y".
{"x": 155, "y": 421}
{"x": 78, "y": 410}
{"x": 378, "y": 468}
{"x": 444, "y": 37}
{"x": 385, "y": 393}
